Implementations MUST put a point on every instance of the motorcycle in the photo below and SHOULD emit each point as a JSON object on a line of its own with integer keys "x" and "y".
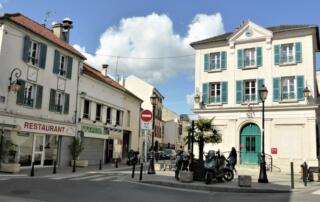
{"x": 132, "y": 158}
{"x": 182, "y": 163}
{"x": 215, "y": 168}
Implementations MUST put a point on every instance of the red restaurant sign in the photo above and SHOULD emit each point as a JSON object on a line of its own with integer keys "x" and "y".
{"x": 47, "y": 128}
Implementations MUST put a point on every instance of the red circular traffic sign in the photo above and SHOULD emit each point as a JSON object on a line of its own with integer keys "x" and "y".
{"x": 146, "y": 115}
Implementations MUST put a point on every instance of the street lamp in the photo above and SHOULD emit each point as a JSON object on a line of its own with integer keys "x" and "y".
{"x": 306, "y": 92}
{"x": 263, "y": 92}
{"x": 154, "y": 101}
{"x": 15, "y": 85}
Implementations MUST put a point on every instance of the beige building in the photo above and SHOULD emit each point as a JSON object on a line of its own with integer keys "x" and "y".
{"x": 171, "y": 128}
{"x": 144, "y": 91}
{"x": 109, "y": 117}
{"x": 229, "y": 70}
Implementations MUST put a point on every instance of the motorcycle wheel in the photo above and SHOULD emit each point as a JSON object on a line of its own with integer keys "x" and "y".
{"x": 228, "y": 175}
{"x": 208, "y": 178}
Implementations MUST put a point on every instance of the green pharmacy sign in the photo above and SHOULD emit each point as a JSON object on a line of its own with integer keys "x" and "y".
{"x": 89, "y": 129}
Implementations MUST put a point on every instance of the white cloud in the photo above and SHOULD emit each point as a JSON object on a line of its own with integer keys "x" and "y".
{"x": 148, "y": 37}
{"x": 1, "y": 6}
{"x": 189, "y": 99}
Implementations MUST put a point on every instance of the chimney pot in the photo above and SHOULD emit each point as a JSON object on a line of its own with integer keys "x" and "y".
{"x": 104, "y": 70}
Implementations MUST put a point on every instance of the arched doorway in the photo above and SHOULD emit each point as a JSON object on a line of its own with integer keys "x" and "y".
{"x": 250, "y": 144}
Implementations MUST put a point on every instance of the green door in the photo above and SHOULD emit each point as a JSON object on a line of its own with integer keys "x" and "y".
{"x": 250, "y": 144}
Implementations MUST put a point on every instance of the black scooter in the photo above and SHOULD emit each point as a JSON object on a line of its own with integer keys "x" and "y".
{"x": 215, "y": 168}
{"x": 182, "y": 163}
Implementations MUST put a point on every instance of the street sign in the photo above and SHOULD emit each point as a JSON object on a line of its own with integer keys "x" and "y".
{"x": 146, "y": 117}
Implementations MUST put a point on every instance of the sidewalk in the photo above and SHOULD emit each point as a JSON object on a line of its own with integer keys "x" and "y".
{"x": 38, "y": 172}
{"x": 278, "y": 183}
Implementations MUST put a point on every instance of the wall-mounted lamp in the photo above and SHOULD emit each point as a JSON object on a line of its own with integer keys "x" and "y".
{"x": 14, "y": 84}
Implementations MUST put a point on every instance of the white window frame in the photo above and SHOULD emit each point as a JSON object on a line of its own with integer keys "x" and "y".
{"x": 120, "y": 121}
{"x": 252, "y": 57}
{"x": 287, "y": 54}
{"x": 250, "y": 97}
{"x": 215, "y": 87}
{"x": 290, "y": 93}
{"x": 29, "y": 97}
{"x": 59, "y": 101}
{"x": 34, "y": 55}
{"x": 215, "y": 61}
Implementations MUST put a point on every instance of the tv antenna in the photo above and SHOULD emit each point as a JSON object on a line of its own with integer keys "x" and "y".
{"x": 47, "y": 16}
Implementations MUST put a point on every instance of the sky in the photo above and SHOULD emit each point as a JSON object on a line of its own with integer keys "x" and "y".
{"x": 150, "y": 38}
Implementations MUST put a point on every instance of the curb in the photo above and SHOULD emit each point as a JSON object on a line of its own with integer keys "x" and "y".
{"x": 215, "y": 188}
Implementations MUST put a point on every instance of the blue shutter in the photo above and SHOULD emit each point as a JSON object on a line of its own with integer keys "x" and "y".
{"x": 69, "y": 67}
{"x": 276, "y": 54}
{"x": 298, "y": 52}
{"x": 39, "y": 97}
{"x": 56, "y": 62}
{"x": 259, "y": 56}
{"x": 20, "y": 93}
{"x": 240, "y": 58}
{"x": 300, "y": 87}
{"x": 206, "y": 62}
{"x": 66, "y": 103}
{"x": 43, "y": 55}
{"x": 205, "y": 93}
{"x": 52, "y": 102}
{"x": 26, "y": 48}
{"x": 276, "y": 90}
{"x": 223, "y": 60}
{"x": 239, "y": 96}
{"x": 224, "y": 92}
{"x": 260, "y": 84}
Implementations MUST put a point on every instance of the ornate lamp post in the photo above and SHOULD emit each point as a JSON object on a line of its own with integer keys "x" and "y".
{"x": 306, "y": 92}
{"x": 263, "y": 92}
{"x": 154, "y": 101}
{"x": 15, "y": 84}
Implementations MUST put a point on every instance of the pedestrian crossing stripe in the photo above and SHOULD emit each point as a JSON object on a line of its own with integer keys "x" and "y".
{"x": 316, "y": 192}
{"x": 103, "y": 178}
{"x": 86, "y": 177}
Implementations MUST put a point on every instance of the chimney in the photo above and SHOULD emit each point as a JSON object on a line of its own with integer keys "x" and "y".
{"x": 122, "y": 81}
{"x": 104, "y": 70}
{"x": 62, "y": 30}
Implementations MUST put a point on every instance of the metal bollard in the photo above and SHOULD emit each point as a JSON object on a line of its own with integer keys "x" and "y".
{"x": 32, "y": 170}
{"x": 54, "y": 167}
{"x": 100, "y": 165}
{"x": 305, "y": 173}
{"x": 133, "y": 170}
{"x": 116, "y": 163}
{"x": 141, "y": 169}
{"x": 292, "y": 176}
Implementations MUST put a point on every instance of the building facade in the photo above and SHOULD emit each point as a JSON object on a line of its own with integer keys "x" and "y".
{"x": 171, "y": 128}
{"x": 144, "y": 91}
{"x": 37, "y": 117}
{"x": 108, "y": 118}
{"x": 229, "y": 70}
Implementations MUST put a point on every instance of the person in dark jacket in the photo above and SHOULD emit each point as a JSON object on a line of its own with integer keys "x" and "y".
{"x": 233, "y": 158}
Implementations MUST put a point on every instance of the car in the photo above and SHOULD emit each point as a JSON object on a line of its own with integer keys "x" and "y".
{"x": 168, "y": 154}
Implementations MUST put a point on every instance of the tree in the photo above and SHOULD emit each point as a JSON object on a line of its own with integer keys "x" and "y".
{"x": 76, "y": 147}
{"x": 205, "y": 132}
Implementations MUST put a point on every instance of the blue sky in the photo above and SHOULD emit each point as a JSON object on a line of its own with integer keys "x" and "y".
{"x": 93, "y": 18}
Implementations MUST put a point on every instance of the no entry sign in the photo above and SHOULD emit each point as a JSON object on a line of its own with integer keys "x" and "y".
{"x": 146, "y": 115}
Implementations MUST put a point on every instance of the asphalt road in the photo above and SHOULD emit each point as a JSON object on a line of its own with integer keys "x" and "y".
{"x": 114, "y": 188}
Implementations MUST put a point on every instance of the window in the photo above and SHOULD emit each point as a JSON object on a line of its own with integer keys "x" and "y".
{"x": 215, "y": 93}
{"x": 287, "y": 88}
{"x": 34, "y": 53}
{"x": 98, "y": 112}
{"x": 128, "y": 118}
{"x": 86, "y": 109}
{"x": 249, "y": 57}
{"x": 109, "y": 115}
{"x": 63, "y": 66}
{"x": 214, "y": 61}
{"x": 250, "y": 90}
{"x": 59, "y": 101}
{"x": 287, "y": 54}
{"x": 29, "y": 94}
{"x": 119, "y": 118}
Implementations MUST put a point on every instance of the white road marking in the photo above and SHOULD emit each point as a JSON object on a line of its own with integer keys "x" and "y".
{"x": 102, "y": 178}
{"x": 316, "y": 192}
{"x": 65, "y": 176}
{"x": 86, "y": 177}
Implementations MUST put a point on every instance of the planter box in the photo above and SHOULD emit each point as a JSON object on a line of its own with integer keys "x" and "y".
{"x": 244, "y": 181}
{"x": 80, "y": 163}
{"x": 10, "y": 167}
{"x": 158, "y": 166}
{"x": 186, "y": 176}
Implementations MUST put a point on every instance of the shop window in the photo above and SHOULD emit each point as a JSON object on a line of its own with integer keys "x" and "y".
{"x": 50, "y": 149}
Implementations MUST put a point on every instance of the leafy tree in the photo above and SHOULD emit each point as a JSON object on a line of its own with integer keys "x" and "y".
{"x": 78, "y": 146}
{"x": 204, "y": 132}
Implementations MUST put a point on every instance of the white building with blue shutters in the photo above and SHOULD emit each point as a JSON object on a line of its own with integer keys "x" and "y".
{"x": 229, "y": 70}
{"x": 37, "y": 121}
